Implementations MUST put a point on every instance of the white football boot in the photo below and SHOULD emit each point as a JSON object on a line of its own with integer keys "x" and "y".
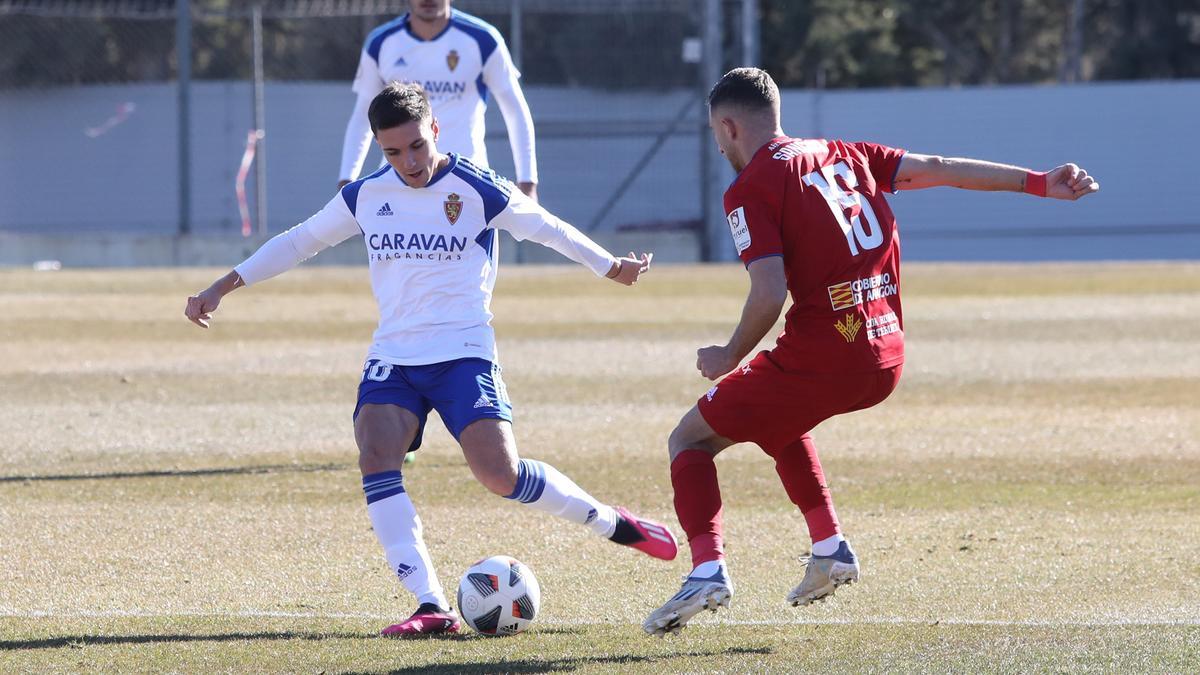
{"x": 824, "y": 574}
{"x": 696, "y": 594}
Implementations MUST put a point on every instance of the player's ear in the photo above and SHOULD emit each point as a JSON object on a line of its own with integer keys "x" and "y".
{"x": 730, "y": 127}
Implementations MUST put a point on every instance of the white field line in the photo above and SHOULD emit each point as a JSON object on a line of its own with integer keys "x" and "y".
{"x": 889, "y": 621}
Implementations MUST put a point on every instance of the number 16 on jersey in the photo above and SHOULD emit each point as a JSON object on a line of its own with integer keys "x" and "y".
{"x": 842, "y": 201}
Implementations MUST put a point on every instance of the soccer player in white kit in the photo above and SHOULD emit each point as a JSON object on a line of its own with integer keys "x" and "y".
{"x": 429, "y": 222}
{"x": 461, "y": 61}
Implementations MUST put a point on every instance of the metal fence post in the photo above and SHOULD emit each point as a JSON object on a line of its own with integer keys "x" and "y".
{"x": 260, "y": 124}
{"x": 515, "y": 38}
{"x": 183, "y": 54}
{"x": 715, "y": 239}
{"x": 750, "y": 33}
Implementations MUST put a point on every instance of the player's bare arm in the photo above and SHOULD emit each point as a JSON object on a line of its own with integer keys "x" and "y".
{"x": 628, "y": 270}
{"x": 201, "y": 306}
{"x": 918, "y": 172}
{"x": 768, "y": 293}
{"x": 529, "y": 188}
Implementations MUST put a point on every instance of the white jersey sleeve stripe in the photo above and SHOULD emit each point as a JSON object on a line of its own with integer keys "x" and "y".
{"x": 350, "y": 191}
{"x": 377, "y": 36}
{"x": 493, "y": 190}
{"x": 482, "y": 33}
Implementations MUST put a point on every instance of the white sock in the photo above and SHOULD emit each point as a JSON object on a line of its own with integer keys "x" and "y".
{"x": 827, "y": 546}
{"x": 545, "y": 489}
{"x": 706, "y": 569}
{"x": 398, "y": 529}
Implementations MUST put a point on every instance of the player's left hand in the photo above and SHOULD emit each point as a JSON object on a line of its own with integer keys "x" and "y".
{"x": 714, "y": 361}
{"x": 630, "y": 268}
{"x": 1070, "y": 182}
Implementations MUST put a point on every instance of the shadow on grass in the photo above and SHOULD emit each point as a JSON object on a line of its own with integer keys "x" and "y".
{"x": 77, "y": 641}
{"x": 183, "y": 473}
{"x": 615, "y": 662}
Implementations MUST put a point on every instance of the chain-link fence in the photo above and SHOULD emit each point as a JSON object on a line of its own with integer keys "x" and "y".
{"x": 93, "y": 99}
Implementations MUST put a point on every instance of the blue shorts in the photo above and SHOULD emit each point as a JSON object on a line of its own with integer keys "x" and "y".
{"x": 461, "y": 391}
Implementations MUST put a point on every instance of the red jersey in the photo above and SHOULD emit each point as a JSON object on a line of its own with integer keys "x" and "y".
{"x": 819, "y": 204}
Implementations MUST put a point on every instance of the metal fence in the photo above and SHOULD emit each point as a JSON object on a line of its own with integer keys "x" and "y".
{"x": 614, "y": 85}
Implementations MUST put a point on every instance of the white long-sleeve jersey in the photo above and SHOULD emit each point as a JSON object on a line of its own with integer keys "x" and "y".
{"x": 459, "y": 69}
{"x": 433, "y": 253}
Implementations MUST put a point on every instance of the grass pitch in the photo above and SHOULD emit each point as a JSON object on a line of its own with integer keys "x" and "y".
{"x": 173, "y": 499}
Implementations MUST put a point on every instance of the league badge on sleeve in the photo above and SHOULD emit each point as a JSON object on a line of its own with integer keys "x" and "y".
{"x": 453, "y": 207}
{"x": 739, "y": 229}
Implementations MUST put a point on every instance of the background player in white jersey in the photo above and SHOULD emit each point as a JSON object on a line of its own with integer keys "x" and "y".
{"x": 461, "y": 61}
{"x": 429, "y": 222}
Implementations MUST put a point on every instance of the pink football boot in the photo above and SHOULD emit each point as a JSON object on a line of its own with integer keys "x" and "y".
{"x": 647, "y": 536}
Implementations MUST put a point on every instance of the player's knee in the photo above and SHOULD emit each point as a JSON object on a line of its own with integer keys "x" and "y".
{"x": 376, "y": 456}
{"x": 681, "y": 440}
{"x": 498, "y": 482}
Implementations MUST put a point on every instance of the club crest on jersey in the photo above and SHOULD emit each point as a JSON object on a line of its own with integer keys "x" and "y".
{"x": 453, "y": 207}
{"x": 849, "y": 326}
{"x": 452, "y": 60}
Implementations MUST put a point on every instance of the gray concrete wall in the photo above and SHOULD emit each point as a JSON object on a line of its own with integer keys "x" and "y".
{"x": 57, "y": 183}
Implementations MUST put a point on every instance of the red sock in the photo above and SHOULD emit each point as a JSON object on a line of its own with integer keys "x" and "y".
{"x": 800, "y": 471}
{"x": 698, "y": 503}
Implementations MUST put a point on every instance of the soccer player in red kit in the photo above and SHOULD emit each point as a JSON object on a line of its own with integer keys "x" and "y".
{"x": 809, "y": 219}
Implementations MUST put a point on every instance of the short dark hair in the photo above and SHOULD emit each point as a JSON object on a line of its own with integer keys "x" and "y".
{"x": 398, "y": 103}
{"x": 750, "y": 88}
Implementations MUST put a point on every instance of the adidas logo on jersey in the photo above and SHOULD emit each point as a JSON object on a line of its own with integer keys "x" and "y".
{"x": 385, "y": 210}
{"x": 400, "y": 62}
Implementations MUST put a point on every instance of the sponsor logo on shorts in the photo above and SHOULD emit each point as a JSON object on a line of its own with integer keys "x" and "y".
{"x": 849, "y": 294}
{"x": 849, "y": 326}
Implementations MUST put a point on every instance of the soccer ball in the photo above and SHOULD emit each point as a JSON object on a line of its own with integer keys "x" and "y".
{"x": 499, "y": 596}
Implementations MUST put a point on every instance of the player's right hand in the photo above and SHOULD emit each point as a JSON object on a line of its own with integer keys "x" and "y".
{"x": 201, "y": 306}
{"x": 714, "y": 361}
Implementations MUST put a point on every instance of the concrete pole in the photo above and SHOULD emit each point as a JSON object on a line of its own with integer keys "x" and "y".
{"x": 183, "y": 55}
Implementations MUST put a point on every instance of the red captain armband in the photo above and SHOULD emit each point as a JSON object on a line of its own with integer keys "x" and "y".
{"x": 1035, "y": 183}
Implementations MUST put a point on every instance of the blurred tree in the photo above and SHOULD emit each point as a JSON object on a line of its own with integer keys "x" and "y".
{"x": 867, "y": 43}
{"x": 805, "y": 43}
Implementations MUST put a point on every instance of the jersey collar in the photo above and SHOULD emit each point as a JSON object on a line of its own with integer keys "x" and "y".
{"x": 445, "y": 169}
{"x": 781, "y": 140}
{"x": 408, "y": 27}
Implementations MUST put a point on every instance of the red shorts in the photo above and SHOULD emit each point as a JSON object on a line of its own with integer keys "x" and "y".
{"x": 764, "y": 404}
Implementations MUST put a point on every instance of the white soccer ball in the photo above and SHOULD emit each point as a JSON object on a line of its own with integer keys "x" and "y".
{"x": 499, "y": 596}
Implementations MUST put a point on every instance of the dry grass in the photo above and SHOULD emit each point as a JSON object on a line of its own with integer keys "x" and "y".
{"x": 182, "y": 500}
